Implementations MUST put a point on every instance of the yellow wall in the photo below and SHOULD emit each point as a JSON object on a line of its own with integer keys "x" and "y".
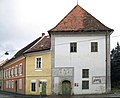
{"x": 43, "y": 74}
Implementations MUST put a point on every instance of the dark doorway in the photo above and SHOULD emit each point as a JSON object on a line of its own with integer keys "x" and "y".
{"x": 16, "y": 86}
{"x": 66, "y": 87}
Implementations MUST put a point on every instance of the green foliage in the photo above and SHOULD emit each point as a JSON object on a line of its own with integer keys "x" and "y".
{"x": 115, "y": 66}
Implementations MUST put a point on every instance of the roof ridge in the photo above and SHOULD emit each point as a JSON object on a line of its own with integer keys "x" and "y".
{"x": 63, "y": 18}
{"x": 34, "y": 44}
{"x": 77, "y": 20}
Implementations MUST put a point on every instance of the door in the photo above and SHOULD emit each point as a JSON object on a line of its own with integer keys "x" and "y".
{"x": 43, "y": 88}
{"x": 16, "y": 86}
{"x": 66, "y": 88}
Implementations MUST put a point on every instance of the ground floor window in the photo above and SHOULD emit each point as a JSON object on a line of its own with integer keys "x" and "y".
{"x": 33, "y": 86}
{"x": 12, "y": 83}
{"x": 6, "y": 84}
{"x": 20, "y": 83}
{"x": 85, "y": 84}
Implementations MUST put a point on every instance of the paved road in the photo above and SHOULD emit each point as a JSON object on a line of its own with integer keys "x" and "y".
{"x": 10, "y": 95}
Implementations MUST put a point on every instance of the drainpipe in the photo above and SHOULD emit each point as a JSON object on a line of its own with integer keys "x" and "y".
{"x": 108, "y": 66}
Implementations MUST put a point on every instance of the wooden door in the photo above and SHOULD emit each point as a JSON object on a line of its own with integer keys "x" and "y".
{"x": 66, "y": 88}
{"x": 43, "y": 88}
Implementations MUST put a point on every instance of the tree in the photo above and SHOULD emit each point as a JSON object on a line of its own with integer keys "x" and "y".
{"x": 115, "y": 66}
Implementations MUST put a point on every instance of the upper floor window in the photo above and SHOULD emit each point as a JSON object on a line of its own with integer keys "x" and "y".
{"x": 12, "y": 71}
{"x": 20, "y": 69}
{"x": 16, "y": 70}
{"x": 9, "y": 72}
{"x": 85, "y": 73}
{"x": 73, "y": 47}
{"x": 38, "y": 63}
{"x": 94, "y": 46}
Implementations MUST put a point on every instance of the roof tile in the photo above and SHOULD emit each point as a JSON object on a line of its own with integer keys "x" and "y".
{"x": 79, "y": 20}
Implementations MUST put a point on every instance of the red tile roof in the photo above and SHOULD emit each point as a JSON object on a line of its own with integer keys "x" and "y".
{"x": 40, "y": 44}
{"x": 20, "y": 52}
{"x": 43, "y": 44}
{"x": 79, "y": 20}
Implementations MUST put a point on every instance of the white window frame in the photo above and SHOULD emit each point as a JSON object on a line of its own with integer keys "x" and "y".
{"x": 33, "y": 81}
{"x": 9, "y": 83}
{"x": 12, "y": 73}
{"x": 12, "y": 83}
{"x": 9, "y": 72}
{"x": 20, "y": 83}
{"x": 20, "y": 69}
{"x": 38, "y": 69}
{"x": 6, "y": 84}
{"x": 16, "y": 70}
{"x": 4, "y": 73}
{"x": 95, "y": 49}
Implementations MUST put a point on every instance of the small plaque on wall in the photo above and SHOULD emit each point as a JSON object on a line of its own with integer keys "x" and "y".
{"x": 98, "y": 79}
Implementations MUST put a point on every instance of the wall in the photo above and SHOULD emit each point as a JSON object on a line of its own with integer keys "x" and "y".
{"x": 15, "y": 78}
{"x": 83, "y": 59}
{"x": 1, "y": 78}
{"x": 43, "y": 74}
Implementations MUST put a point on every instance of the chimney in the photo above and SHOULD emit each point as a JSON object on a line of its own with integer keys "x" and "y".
{"x": 43, "y": 34}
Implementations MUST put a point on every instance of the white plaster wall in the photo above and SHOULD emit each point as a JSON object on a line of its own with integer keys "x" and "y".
{"x": 83, "y": 59}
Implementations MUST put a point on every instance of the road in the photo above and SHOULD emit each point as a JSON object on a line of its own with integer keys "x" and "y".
{"x": 10, "y": 95}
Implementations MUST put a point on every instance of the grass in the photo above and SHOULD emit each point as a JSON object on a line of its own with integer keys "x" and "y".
{"x": 115, "y": 90}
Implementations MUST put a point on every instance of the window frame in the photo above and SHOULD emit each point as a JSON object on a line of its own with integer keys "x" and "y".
{"x": 12, "y": 83}
{"x": 33, "y": 81}
{"x": 73, "y": 47}
{"x": 16, "y": 70}
{"x": 84, "y": 72}
{"x": 36, "y": 63}
{"x": 84, "y": 87}
{"x": 94, "y": 46}
{"x": 20, "y": 69}
{"x": 20, "y": 83}
{"x": 6, "y": 84}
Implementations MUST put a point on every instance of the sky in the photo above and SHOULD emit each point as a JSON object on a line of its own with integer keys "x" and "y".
{"x": 22, "y": 21}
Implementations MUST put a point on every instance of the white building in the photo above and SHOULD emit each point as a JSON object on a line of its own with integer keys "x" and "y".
{"x": 80, "y": 54}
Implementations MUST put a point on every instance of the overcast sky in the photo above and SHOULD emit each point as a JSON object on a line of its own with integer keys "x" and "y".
{"x": 22, "y": 21}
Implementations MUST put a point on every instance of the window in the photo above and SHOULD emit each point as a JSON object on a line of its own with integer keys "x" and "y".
{"x": 85, "y": 84}
{"x": 73, "y": 47}
{"x": 85, "y": 73}
{"x": 20, "y": 83}
{"x": 94, "y": 46}
{"x": 9, "y": 72}
{"x": 16, "y": 71}
{"x": 38, "y": 62}
{"x": 9, "y": 83}
{"x": 5, "y": 74}
{"x": 12, "y": 72}
{"x": 6, "y": 84}
{"x": 12, "y": 83}
{"x": 33, "y": 86}
{"x": 20, "y": 69}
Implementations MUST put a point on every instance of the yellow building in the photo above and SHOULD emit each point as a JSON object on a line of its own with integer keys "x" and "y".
{"x": 38, "y": 67}
{"x": 38, "y": 70}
